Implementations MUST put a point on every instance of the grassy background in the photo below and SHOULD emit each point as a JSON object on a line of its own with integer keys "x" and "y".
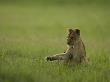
{"x": 31, "y": 31}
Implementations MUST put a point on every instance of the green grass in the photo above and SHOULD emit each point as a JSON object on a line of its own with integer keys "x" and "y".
{"x": 30, "y": 33}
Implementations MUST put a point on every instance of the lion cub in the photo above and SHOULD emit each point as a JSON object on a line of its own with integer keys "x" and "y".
{"x": 75, "y": 53}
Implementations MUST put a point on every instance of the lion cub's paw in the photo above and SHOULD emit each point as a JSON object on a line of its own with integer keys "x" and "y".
{"x": 49, "y": 58}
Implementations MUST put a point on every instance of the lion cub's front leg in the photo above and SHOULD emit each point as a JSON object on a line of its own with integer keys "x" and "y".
{"x": 61, "y": 56}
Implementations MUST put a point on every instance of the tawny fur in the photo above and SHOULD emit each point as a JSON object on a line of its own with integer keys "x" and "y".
{"x": 76, "y": 53}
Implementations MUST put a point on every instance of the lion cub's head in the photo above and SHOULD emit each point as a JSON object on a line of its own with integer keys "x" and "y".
{"x": 73, "y": 36}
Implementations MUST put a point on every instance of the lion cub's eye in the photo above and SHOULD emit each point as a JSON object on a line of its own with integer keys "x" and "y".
{"x": 71, "y": 37}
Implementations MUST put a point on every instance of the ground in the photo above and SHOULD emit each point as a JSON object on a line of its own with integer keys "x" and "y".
{"x": 29, "y": 33}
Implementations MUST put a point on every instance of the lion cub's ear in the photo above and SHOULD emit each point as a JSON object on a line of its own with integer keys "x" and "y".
{"x": 70, "y": 30}
{"x": 77, "y": 31}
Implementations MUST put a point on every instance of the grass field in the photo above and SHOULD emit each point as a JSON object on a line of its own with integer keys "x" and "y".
{"x": 29, "y": 33}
